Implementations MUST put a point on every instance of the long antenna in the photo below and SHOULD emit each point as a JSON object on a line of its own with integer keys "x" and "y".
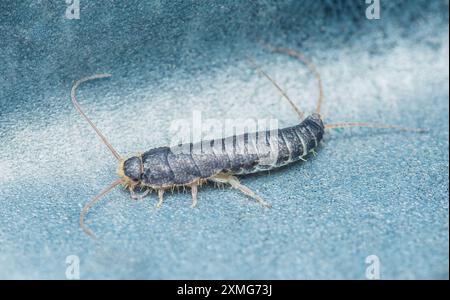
{"x": 283, "y": 93}
{"x": 78, "y": 107}
{"x": 92, "y": 202}
{"x": 372, "y": 125}
{"x": 308, "y": 64}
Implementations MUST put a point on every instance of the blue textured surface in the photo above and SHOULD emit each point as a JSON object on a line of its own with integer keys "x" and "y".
{"x": 367, "y": 192}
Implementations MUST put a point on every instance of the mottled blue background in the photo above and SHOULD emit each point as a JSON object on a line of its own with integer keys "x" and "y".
{"x": 367, "y": 192}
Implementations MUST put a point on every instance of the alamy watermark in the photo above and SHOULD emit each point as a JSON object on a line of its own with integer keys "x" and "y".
{"x": 239, "y": 136}
{"x": 72, "y": 9}
{"x": 373, "y": 270}
{"x": 373, "y": 10}
{"x": 72, "y": 267}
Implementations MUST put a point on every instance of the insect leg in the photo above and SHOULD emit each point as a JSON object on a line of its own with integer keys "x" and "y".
{"x": 234, "y": 182}
{"x": 161, "y": 198}
{"x": 135, "y": 195}
{"x": 194, "y": 190}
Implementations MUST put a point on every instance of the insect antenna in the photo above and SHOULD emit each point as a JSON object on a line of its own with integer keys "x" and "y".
{"x": 372, "y": 125}
{"x": 283, "y": 93}
{"x": 92, "y": 202}
{"x": 312, "y": 68}
{"x": 78, "y": 107}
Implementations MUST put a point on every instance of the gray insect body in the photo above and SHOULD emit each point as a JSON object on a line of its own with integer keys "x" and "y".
{"x": 237, "y": 155}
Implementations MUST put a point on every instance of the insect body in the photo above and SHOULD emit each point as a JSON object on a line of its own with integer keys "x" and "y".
{"x": 238, "y": 155}
{"x": 220, "y": 160}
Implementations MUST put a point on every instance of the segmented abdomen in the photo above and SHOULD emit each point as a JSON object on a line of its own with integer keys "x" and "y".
{"x": 239, "y": 154}
{"x": 287, "y": 145}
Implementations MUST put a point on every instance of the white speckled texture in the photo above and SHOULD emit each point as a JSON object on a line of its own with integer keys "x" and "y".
{"x": 367, "y": 192}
